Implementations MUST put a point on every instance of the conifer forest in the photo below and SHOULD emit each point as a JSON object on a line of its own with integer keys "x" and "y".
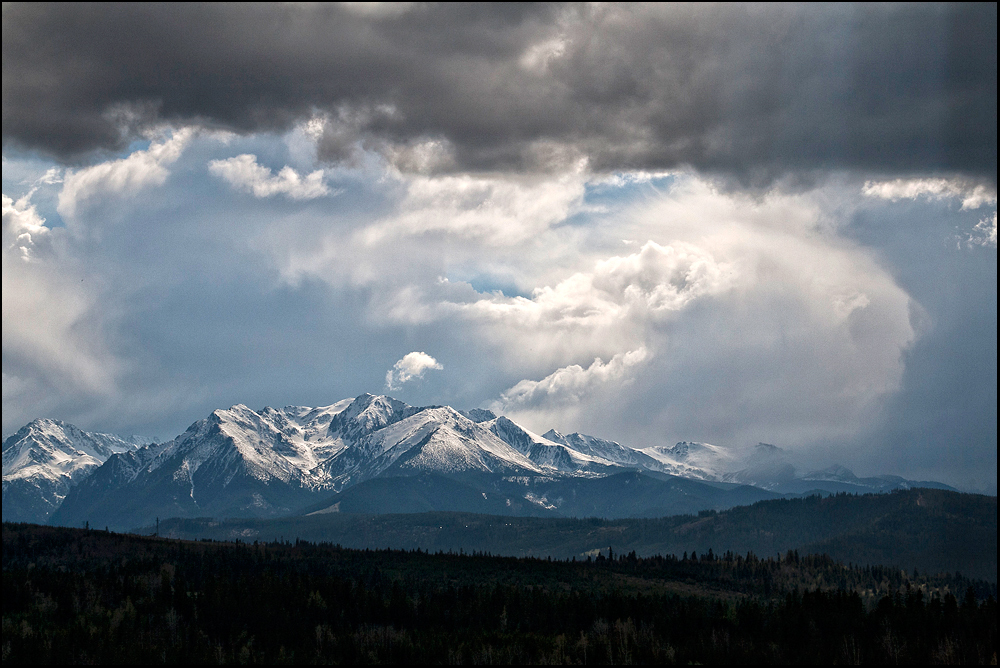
{"x": 91, "y": 596}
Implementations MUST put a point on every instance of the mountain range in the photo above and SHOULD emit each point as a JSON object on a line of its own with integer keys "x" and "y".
{"x": 378, "y": 454}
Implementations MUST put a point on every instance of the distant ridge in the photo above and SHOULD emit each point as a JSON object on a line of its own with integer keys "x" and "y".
{"x": 933, "y": 530}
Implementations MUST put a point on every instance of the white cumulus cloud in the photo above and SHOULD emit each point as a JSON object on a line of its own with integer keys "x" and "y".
{"x": 602, "y": 311}
{"x": 973, "y": 195}
{"x": 499, "y": 210}
{"x": 244, "y": 173}
{"x": 123, "y": 177}
{"x": 571, "y": 383}
{"x": 985, "y": 232}
{"x": 23, "y": 228}
{"x": 412, "y": 365}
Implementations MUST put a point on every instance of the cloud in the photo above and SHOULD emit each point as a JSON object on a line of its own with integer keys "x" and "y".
{"x": 600, "y": 310}
{"x": 570, "y": 384}
{"x": 753, "y": 91}
{"x": 499, "y": 210}
{"x": 23, "y": 228}
{"x": 124, "y": 177}
{"x": 565, "y": 397}
{"x": 412, "y": 365}
{"x": 378, "y": 9}
{"x": 754, "y": 320}
{"x": 760, "y": 298}
{"x": 972, "y": 195}
{"x": 701, "y": 246}
{"x": 776, "y": 316}
{"x": 243, "y": 173}
{"x": 536, "y": 58}
{"x": 51, "y": 176}
{"x": 52, "y": 343}
{"x": 131, "y": 328}
{"x": 985, "y": 232}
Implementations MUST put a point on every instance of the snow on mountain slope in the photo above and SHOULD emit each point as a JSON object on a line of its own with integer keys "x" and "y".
{"x": 479, "y": 415}
{"x": 235, "y": 462}
{"x": 238, "y": 462}
{"x": 437, "y": 439}
{"x": 366, "y": 414}
{"x": 610, "y": 451}
{"x": 54, "y": 449}
{"x": 284, "y": 445}
{"x": 694, "y": 460}
{"x": 309, "y": 428}
{"x": 47, "y": 457}
{"x": 544, "y": 453}
{"x": 282, "y": 452}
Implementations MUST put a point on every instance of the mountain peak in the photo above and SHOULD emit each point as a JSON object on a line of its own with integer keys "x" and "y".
{"x": 767, "y": 449}
{"x": 833, "y": 473}
{"x": 46, "y": 457}
{"x": 479, "y": 414}
{"x": 554, "y": 436}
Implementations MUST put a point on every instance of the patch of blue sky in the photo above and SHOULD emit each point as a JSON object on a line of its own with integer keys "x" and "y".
{"x": 608, "y": 194}
{"x": 487, "y": 284}
{"x": 627, "y": 186}
{"x": 46, "y": 199}
{"x": 136, "y": 145}
{"x": 941, "y": 222}
{"x": 21, "y": 171}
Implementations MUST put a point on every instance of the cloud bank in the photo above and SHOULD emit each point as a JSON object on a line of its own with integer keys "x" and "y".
{"x": 754, "y": 91}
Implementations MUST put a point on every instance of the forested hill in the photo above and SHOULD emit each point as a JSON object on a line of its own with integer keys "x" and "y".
{"x": 84, "y": 596}
{"x": 928, "y": 529}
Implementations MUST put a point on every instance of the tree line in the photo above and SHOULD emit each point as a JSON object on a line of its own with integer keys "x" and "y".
{"x": 78, "y": 596}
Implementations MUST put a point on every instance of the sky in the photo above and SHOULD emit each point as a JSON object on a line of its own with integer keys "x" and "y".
{"x": 729, "y": 224}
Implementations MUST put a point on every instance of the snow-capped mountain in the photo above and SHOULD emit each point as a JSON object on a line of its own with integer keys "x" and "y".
{"x": 238, "y": 462}
{"x": 45, "y": 458}
{"x": 702, "y": 461}
{"x": 607, "y": 450}
{"x": 552, "y": 456}
{"x": 435, "y": 439}
{"x": 235, "y": 462}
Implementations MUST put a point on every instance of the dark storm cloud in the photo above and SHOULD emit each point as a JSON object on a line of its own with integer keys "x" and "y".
{"x": 755, "y": 91}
